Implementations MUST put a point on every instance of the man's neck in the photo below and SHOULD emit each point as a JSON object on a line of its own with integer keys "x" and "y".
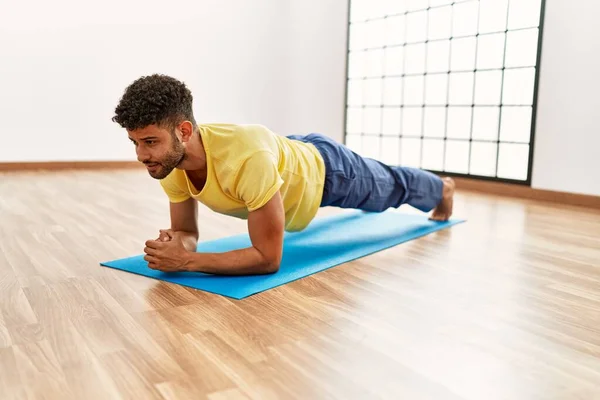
{"x": 195, "y": 161}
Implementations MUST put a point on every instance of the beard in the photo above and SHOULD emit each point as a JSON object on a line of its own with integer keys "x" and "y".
{"x": 171, "y": 160}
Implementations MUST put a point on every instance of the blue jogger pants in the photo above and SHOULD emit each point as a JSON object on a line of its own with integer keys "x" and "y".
{"x": 353, "y": 181}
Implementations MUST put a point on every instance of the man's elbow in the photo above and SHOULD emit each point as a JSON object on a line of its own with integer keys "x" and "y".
{"x": 271, "y": 266}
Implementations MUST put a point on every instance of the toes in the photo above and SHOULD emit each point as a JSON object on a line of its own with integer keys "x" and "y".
{"x": 440, "y": 217}
{"x": 437, "y": 217}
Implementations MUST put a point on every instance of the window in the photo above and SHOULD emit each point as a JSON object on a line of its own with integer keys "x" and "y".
{"x": 448, "y": 86}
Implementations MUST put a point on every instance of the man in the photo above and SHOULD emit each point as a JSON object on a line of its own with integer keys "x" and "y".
{"x": 277, "y": 183}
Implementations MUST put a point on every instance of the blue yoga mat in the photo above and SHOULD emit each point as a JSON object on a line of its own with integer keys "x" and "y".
{"x": 327, "y": 242}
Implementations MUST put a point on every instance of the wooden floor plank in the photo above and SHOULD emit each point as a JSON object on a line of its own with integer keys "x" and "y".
{"x": 504, "y": 306}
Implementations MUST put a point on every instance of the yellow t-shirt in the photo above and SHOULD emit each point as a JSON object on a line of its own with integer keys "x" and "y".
{"x": 246, "y": 166}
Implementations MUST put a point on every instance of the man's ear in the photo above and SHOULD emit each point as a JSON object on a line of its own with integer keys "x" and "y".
{"x": 187, "y": 129}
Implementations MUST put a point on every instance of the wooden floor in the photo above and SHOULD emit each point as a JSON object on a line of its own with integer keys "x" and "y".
{"x": 505, "y": 306}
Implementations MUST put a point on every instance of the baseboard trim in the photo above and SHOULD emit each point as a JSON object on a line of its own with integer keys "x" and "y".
{"x": 526, "y": 192}
{"x": 468, "y": 184}
{"x": 67, "y": 165}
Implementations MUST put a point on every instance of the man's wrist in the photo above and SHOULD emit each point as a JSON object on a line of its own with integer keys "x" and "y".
{"x": 189, "y": 240}
{"x": 189, "y": 263}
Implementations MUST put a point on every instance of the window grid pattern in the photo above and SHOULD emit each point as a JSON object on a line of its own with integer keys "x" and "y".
{"x": 448, "y": 86}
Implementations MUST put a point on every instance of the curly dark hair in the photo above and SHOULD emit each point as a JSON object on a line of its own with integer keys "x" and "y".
{"x": 155, "y": 99}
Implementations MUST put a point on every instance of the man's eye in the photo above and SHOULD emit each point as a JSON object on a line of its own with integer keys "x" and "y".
{"x": 149, "y": 141}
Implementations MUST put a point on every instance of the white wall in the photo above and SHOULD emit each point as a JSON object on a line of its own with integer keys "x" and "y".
{"x": 567, "y": 143}
{"x": 316, "y": 54}
{"x": 64, "y": 67}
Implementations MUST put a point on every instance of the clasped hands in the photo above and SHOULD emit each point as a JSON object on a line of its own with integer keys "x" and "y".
{"x": 166, "y": 253}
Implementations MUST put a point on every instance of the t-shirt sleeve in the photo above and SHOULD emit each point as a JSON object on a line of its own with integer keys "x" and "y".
{"x": 258, "y": 179}
{"x": 173, "y": 192}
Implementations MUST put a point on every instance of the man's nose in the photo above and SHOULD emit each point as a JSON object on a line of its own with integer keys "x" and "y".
{"x": 141, "y": 154}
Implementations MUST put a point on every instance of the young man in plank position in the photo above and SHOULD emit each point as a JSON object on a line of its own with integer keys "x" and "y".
{"x": 276, "y": 182}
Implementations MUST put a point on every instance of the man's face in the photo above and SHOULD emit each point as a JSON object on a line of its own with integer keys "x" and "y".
{"x": 158, "y": 149}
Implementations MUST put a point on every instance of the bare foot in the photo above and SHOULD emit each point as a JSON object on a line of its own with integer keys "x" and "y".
{"x": 443, "y": 211}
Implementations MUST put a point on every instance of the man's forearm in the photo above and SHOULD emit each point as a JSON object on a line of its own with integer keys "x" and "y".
{"x": 248, "y": 261}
